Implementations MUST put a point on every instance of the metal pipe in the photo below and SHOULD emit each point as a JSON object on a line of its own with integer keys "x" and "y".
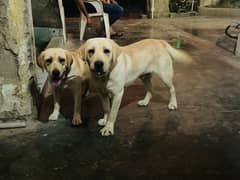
{"x": 152, "y": 8}
{"x": 192, "y": 5}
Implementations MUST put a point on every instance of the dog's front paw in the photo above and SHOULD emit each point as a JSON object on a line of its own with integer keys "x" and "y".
{"x": 107, "y": 130}
{"x": 53, "y": 116}
{"x": 102, "y": 122}
{"x": 76, "y": 121}
{"x": 143, "y": 103}
{"x": 172, "y": 106}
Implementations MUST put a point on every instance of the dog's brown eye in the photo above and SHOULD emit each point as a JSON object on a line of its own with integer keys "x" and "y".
{"x": 61, "y": 60}
{"x": 106, "y": 51}
{"x": 49, "y": 61}
{"x": 91, "y": 51}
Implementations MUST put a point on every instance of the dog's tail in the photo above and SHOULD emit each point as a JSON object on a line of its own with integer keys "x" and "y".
{"x": 179, "y": 55}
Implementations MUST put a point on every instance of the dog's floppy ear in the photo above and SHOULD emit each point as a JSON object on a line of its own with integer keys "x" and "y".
{"x": 69, "y": 59}
{"x": 82, "y": 52}
{"x": 40, "y": 60}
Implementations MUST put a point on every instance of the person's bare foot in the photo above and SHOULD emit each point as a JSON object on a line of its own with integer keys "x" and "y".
{"x": 113, "y": 33}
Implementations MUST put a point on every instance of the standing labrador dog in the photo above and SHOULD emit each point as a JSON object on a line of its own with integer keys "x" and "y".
{"x": 114, "y": 67}
{"x": 65, "y": 68}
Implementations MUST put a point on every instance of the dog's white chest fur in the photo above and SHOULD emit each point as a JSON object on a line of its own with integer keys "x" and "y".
{"x": 117, "y": 77}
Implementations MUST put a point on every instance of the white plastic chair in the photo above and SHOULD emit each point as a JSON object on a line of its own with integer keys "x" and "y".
{"x": 99, "y": 13}
{"x": 61, "y": 9}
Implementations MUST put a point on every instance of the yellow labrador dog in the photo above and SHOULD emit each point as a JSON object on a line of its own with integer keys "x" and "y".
{"x": 65, "y": 68}
{"x": 114, "y": 67}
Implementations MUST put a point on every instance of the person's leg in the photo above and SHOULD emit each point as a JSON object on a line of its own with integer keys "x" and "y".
{"x": 114, "y": 11}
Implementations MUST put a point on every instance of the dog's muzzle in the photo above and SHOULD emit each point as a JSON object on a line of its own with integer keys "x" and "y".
{"x": 56, "y": 79}
{"x": 98, "y": 68}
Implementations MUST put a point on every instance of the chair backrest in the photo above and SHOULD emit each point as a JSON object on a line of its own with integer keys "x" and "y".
{"x": 96, "y": 4}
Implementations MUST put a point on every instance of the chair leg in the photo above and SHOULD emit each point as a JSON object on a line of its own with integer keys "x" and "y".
{"x": 106, "y": 25}
{"x": 83, "y": 23}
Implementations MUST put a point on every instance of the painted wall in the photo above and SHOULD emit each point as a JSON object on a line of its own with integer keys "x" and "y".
{"x": 161, "y": 8}
{"x": 209, "y": 2}
{"x": 16, "y": 58}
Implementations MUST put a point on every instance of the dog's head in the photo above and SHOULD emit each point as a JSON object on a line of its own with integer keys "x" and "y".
{"x": 101, "y": 55}
{"x": 57, "y": 62}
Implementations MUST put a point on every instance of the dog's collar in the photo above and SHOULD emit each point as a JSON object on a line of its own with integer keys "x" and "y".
{"x": 65, "y": 74}
{"x": 67, "y": 70}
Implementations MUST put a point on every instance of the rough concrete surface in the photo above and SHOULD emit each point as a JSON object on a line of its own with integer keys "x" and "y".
{"x": 17, "y": 56}
{"x": 201, "y": 140}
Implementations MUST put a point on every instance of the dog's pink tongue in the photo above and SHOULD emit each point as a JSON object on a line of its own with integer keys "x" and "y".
{"x": 56, "y": 83}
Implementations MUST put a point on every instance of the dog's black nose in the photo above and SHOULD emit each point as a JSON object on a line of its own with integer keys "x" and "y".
{"x": 98, "y": 65}
{"x": 56, "y": 73}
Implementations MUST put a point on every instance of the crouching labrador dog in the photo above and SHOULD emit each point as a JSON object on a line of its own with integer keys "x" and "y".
{"x": 65, "y": 69}
{"x": 113, "y": 67}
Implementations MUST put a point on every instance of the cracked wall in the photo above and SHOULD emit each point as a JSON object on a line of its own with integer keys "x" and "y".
{"x": 16, "y": 58}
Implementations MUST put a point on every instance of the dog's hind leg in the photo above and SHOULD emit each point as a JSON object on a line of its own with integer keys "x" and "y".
{"x": 166, "y": 75}
{"x": 146, "y": 79}
{"x": 173, "y": 100}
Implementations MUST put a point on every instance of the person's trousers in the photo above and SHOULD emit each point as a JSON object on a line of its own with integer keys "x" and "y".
{"x": 114, "y": 11}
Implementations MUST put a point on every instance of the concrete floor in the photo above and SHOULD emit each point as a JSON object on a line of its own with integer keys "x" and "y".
{"x": 201, "y": 140}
